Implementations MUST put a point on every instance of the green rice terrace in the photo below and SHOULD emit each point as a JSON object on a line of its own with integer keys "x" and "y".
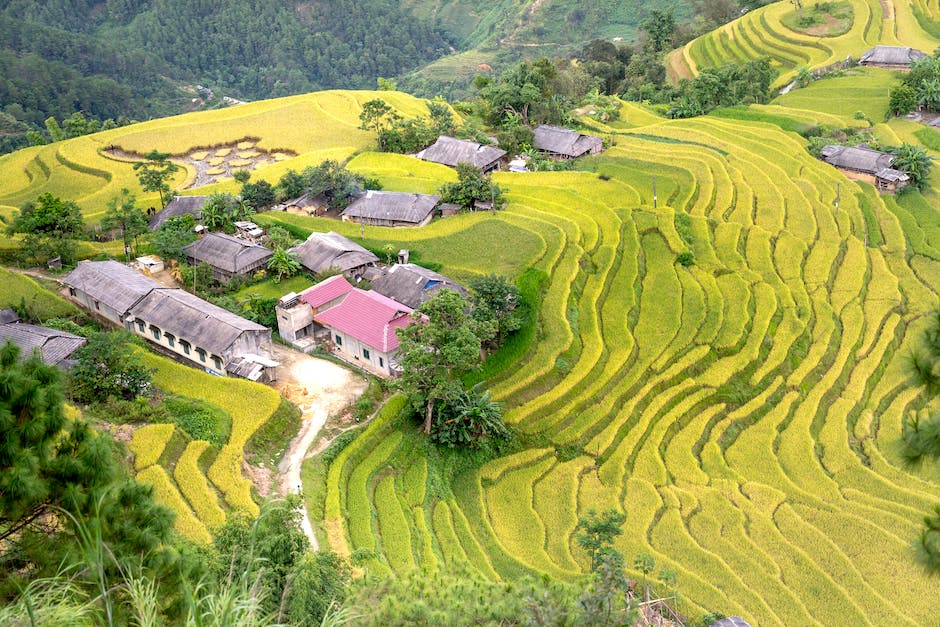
{"x": 773, "y": 31}
{"x": 744, "y": 410}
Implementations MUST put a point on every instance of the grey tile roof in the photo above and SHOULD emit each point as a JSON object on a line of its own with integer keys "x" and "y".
{"x": 179, "y": 206}
{"x": 322, "y": 251}
{"x": 111, "y": 282}
{"x": 186, "y": 316}
{"x": 228, "y": 253}
{"x": 54, "y": 346}
{"x": 862, "y": 159}
{"x": 8, "y": 315}
{"x": 891, "y": 55}
{"x": 450, "y": 151}
{"x": 731, "y": 621}
{"x": 412, "y": 285}
{"x": 392, "y": 206}
{"x": 564, "y": 141}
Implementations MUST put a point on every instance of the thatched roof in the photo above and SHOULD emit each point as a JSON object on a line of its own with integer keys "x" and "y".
{"x": 564, "y": 141}
{"x": 55, "y": 347}
{"x": 891, "y": 55}
{"x": 323, "y": 251}
{"x": 862, "y": 159}
{"x": 392, "y": 206}
{"x": 189, "y": 317}
{"x": 450, "y": 151}
{"x": 228, "y": 253}
{"x": 110, "y": 282}
{"x": 412, "y": 285}
{"x": 179, "y": 206}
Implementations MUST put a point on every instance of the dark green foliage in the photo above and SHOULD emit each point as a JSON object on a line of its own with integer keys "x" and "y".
{"x": 291, "y": 185}
{"x": 596, "y": 532}
{"x": 468, "y": 418}
{"x": 200, "y": 420}
{"x": 331, "y": 179}
{"x": 268, "y": 444}
{"x": 109, "y": 365}
{"x": 283, "y": 264}
{"x": 903, "y": 100}
{"x": 523, "y": 94}
{"x": 155, "y": 173}
{"x": 259, "y": 194}
{"x": 50, "y": 226}
{"x": 471, "y": 186}
{"x": 169, "y": 239}
{"x": 913, "y": 161}
{"x": 222, "y": 211}
{"x": 515, "y": 139}
{"x": 496, "y": 300}
{"x": 923, "y": 80}
{"x": 659, "y": 27}
{"x": 731, "y": 84}
{"x": 317, "y": 582}
{"x": 685, "y": 258}
{"x": 124, "y": 214}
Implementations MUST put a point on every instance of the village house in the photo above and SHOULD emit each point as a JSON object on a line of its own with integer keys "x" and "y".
{"x": 305, "y": 204}
{"x": 412, "y": 284}
{"x": 228, "y": 256}
{"x": 295, "y": 312}
{"x": 450, "y": 151}
{"x": 179, "y": 206}
{"x": 891, "y": 57}
{"x": 864, "y": 164}
{"x": 322, "y": 252}
{"x": 55, "y": 347}
{"x": 391, "y": 209}
{"x": 173, "y": 320}
{"x": 556, "y": 142}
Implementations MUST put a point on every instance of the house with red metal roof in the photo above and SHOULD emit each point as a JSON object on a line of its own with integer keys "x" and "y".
{"x": 362, "y": 328}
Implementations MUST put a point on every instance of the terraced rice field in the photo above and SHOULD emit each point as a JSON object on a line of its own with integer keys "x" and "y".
{"x": 761, "y": 33}
{"x": 744, "y": 411}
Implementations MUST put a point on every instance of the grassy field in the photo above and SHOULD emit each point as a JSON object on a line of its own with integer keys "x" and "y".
{"x": 17, "y": 289}
{"x": 744, "y": 411}
{"x": 770, "y": 32}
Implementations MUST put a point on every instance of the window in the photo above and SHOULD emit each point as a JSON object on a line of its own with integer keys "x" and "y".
{"x": 185, "y": 346}
{"x": 381, "y": 363}
{"x": 202, "y": 355}
{"x": 170, "y": 339}
{"x": 71, "y": 291}
{"x": 365, "y": 353}
{"x": 338, "y": 340}
{"x": 155, "y": 331}
{"x": 96, "y": 306}
{"x": 141, "y": 326}
{"x": 217, "y": 362}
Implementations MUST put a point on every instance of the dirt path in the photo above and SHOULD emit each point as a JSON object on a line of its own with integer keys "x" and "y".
{"x": 320, "y": 388}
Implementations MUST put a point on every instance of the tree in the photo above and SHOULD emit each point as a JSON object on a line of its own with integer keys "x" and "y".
{"x": 155, "y": 173}
{"x": 441, "y": 343}
{"x": 258, "y": 195}
{"x": 377, "y": 115}
{"x": 123, "y": 213}
{"x": 645, "y": 563}
{"x": 222, "y": 211}
{"x": 317, "y": 582}
{"x": 279, "y": 237}
{"x": 902, "y": 100}
{"x": 290, "y": 185}
{"x": 468, "y": 418}
{"x": 596, "y": 533}
{"x": 109, "y": 365}
{"x": 471, "y": 186}
{"x": 169, "y": 239}
{"x": 913, "y": 161}
{"x": 284, "y": 263}
{"x": 497, "y": 300}
{"x": 242, "y": 176}
{"x": 659, "y": 28}
{"x": 50, "y": 225}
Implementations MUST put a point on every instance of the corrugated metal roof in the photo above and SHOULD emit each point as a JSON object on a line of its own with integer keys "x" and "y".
{"x": 412, "y": 284}
{"x": 859, "y": 158}
{"x": 369, "y": 317}
{"x": 392, "y": 206}
{"x": 54, "y": 346}
{"x": 891, "y": 55}
{"x": 110, "y": 282}
{"x": 327, "y": 290}
{"x": 186, "y": 316}
{"x": 564, "y": 141}
{"x": 228, "y": 253}
{"x": 450, "y": 151}
{"x": 179, "y": 206}
{"x": 323, "y": 251}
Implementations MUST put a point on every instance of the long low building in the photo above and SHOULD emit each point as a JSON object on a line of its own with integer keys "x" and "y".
{"x": 54, "y": 347}
{"x": 193, "y": 329}
{"x": 865, "y": 164}
{"x": 323, "y": 252}
{"x": 392, "y": 209}
{"x": 228, "y": 256}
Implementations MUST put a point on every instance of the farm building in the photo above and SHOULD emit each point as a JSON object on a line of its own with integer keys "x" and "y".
{"x": 55, "y": 347}
{"x": 891, "y": 57}
{"x": 227, "y": 255}
{"x": 326, "y": 251}
{"x": 198, "y": 331}
{"x": 179, "y": 206}
{"x": 174, "y": 320}
{"x": 864, "y": 164}
{"x": 362, "y": 328}
{"x": 450, "y": 151}
{"x": 306, "y": 204}
{"x": 556, "y": 142}
{"x": 412, "y": 285}
{"x": 391, "y": 209}
{"x": 108, "y": 288}
{"x": 295, "y": 312}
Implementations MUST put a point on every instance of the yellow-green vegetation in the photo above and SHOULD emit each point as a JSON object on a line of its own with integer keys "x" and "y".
{"x": 249, "y": 404}
{"x": 166, "y": 493}
{"x": 771, "y": 31}
{"x": 195, "y": 487}
{"x": 148, "y": 443}
{"x": 17, "y": 289}
{"x": 744, "y": 411}
{"x": 313, "y": 127}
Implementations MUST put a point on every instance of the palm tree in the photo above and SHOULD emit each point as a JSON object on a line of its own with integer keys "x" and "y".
{"x": 284, "y": 263}
{"x": 913, "y": 161}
